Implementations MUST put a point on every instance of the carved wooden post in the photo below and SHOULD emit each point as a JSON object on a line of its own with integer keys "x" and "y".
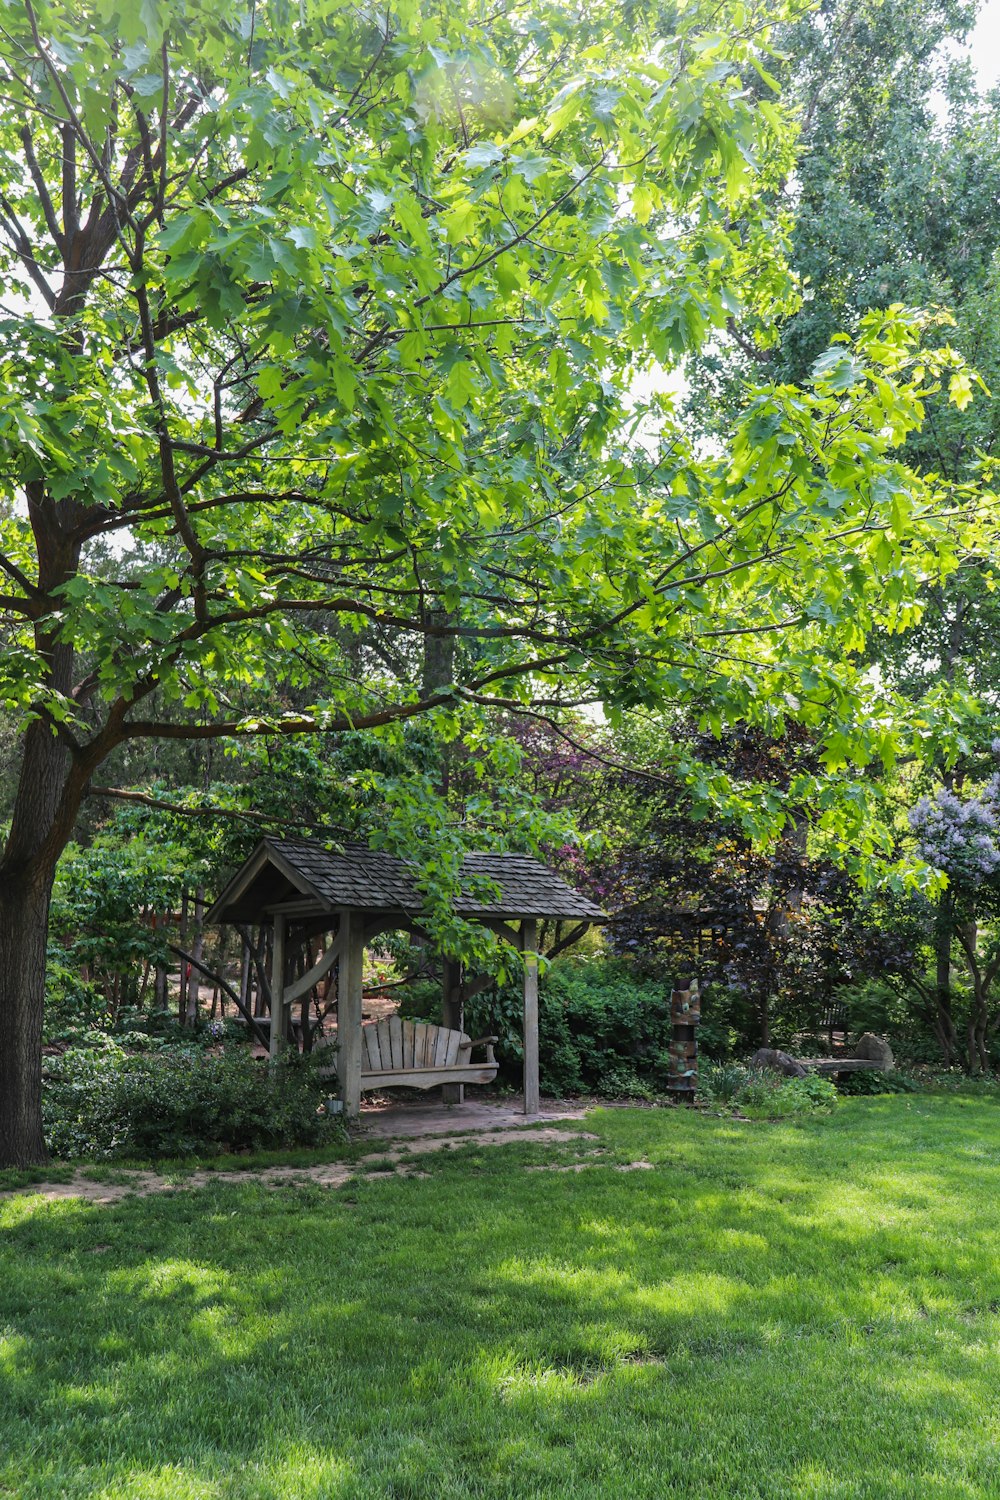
{"x": 349, "y": 997}
{"x": 278, "y": 986}
{"x": 529, "y": 944}
{"x": 685, "y": 1015}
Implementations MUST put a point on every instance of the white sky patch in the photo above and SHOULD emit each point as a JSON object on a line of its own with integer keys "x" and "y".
{"x": 982, "y": 50}
{"x": 984, "y": 46}
{"x": 655, "y": 380}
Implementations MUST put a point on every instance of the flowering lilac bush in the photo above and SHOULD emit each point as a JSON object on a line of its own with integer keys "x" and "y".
{"x": 960, "y": 835}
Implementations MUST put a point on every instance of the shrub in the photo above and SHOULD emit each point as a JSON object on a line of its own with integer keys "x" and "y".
{"x": 721, "y": 1083}
{"x": 104, "y": 1101}
{"x": 877, "y": 1083}
{"x": 771, "y": 1097}
{"x": 73, "y": 1005}
{"x": 600, "y": 1030}
{"x": 763, "y": 1095}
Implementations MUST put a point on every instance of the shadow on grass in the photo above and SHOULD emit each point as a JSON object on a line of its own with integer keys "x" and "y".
{"x": 803, "y": 1310}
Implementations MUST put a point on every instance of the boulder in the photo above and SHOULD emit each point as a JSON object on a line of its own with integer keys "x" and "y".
{"x": 769, "y": 1057}
{"x": 875, "y": 1049}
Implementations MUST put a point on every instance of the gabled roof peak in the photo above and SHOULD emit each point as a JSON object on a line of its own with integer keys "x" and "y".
{"x": 370, "y": 880}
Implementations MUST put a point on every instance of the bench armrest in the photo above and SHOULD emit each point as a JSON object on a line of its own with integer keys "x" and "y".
{"x": 487, "y": 1042}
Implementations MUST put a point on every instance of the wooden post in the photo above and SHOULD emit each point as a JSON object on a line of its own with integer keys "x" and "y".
{"x": 244, "y": 972}
{"x": 160, "y": 1001}
{"x": 197, "y": 951}
{"x": 182, "y": 981}
{"x": 452, "y": 1015}
{"x": 278, "y": 986}
{"x": 349, "y": 997}
{"x": 529, "y": 944}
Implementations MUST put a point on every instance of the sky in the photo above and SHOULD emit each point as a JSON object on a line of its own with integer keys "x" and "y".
{"x": 984, "y": 45}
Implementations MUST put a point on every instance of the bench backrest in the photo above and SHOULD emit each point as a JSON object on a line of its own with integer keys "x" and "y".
{"x": 394, "y": 1045}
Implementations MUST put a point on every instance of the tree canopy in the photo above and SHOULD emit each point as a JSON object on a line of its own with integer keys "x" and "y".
{"x": 318, "y": 411}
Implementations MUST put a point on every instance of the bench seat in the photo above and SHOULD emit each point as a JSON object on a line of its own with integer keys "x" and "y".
{"x": 419, "y": 1055}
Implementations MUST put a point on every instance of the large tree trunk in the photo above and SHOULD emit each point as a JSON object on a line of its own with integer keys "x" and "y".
{"x": 40, "y": 826}
{"x": 49, "y": 791}
{"x": 24, "y": 925}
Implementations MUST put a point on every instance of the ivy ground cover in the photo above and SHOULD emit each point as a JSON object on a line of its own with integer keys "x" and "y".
{"x": 807, "y": 1309}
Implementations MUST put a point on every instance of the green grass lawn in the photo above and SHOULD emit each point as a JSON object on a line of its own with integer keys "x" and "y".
{"x": 772, "y": 1310}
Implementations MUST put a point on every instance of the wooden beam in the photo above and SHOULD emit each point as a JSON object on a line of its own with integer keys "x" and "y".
{"x": 349, "y": 998}
{"x": 302, "y": 906}
{"x": 278, "y": 988}
{"x": 529, "y": 947}
{"x": 501, "y": 929}
{"x": 390, "y": 923}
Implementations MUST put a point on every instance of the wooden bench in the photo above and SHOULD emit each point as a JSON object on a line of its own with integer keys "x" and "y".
{"x": 419, "y": 1055}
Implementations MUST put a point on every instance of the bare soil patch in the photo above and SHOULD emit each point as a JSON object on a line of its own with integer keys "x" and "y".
{"x": 323, "y": 1174}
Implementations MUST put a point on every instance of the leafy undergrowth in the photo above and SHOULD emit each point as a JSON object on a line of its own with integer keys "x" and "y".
{"x": 106, "y": 1102}
{"x": 761, "y": 1094}
{"x": 808, "y": 1308}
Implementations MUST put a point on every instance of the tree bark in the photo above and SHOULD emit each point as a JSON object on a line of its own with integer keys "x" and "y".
{"x": 943, "y": 935}
{"x": 24, "y": 925}
{"x": 50, "y": 789}
{"x": 764, "y": 1020}
{"x": 47, "y": 798}
{"x": 439, "y": 674}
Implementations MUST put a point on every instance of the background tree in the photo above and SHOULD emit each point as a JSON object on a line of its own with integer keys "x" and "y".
{"x": 772, "y": 931}
{"x": 892, "y": 200}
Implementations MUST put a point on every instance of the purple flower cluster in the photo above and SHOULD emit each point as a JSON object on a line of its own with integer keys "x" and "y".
{"x": 961, "y": 835}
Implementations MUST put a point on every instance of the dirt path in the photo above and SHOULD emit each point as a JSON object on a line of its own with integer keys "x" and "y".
{"x": 325, "y": 1174}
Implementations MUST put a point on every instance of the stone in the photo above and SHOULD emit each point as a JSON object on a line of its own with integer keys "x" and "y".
{"x": 875, "y": 1049}
{"x": 769, "y": 1057}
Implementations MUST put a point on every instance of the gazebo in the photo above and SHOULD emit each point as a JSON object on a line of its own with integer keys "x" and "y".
{"x": 353, "y": 893}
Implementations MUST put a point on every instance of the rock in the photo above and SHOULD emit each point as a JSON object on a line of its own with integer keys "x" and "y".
{"x": 769, "y": 1057}
{"x": 875, "y": 1049}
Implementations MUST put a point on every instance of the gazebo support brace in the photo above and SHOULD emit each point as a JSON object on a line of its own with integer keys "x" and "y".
{"x": 349, "y": 997}
{"x": 529, "y": 948}
{"x": 301, "y": 988}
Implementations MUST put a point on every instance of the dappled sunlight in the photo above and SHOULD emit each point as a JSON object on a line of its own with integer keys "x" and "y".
{"x": 175, "y": 1280}
{"x": 769, "y": 1298}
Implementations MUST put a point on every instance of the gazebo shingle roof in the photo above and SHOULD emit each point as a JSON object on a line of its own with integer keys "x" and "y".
{"x": 369, "y": 880}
